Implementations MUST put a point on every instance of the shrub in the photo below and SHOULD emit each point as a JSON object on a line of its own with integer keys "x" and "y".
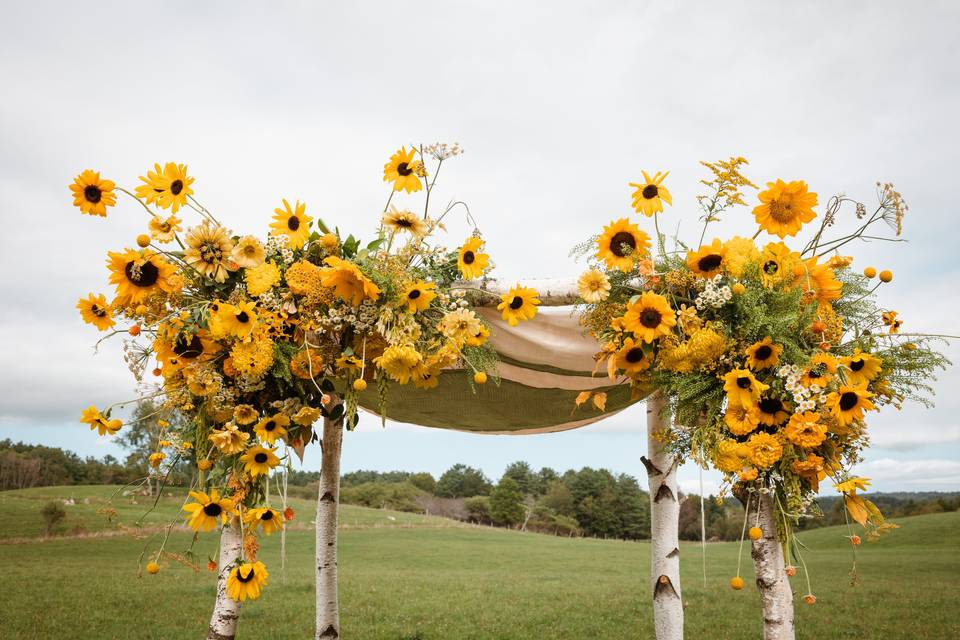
{"x": 53, "y": 514}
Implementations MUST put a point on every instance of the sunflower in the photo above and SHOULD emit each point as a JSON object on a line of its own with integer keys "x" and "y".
{"x": 253, "y": 359}
{"x": 407, "y": 221}
{"x": 272, "y": 428}
{"x": 470, "y": 261}
{"x": 862, "y": 367}
{"x": 632, "y": 359}
{"x": 818, "y": 281}
{"x": 852, "y": 485}
{"x": 460, "y": 325}
{"x": 167, "y": 188}
{"x": 890, "y": 319}
{"x": 229, "y": 440}
{"x": 293, "y": 223}
{"x": 772, "y": 411}
{"x": 649, "y": 317}
{"x": 742, "y": 388}
{"x": 777, "y": 262}
{"x": 248, "y": 253}
{"x": 95, "y": 310}
{"x": 96, "y": 420}
{"x": 622, "y": 244}
{"x": 138, "y": 275}
{"x": 848, "y": 403}
{"x": 262, "y": 278}
{"x": 419, "y": 295}
{"x": 237, "y": 320}
{"x": 763, "y": 354}
{"x": 820, "y": 372}
{"x": 593, "y": 286}
{"x": 399, "y": 362}
{"x": 208, "y": 511}
{"x": 425, "y": 377}
{"x": 92, "y": 193}
{"x": 479, "y": 338}
{"x": 518, "y": 304}
{"x": 164, "y": 229}
{"x": 649, "y": 195}
{"x": 805, "y": 430}
{"x": 246, "y": 581}
{"x": 270, "y": 520}
{"x": 347, "y": 281}
{"x": 764, "y": 449}
{"x": 245, "y": 414}
{"x": 258, "y": 460}
{"x": 209, "y": 249}
{"x": 785, "y": 207}
{"x": 741, "y": 420}
{"x": 708, "y": 260}
{"x": 403, "y": 171}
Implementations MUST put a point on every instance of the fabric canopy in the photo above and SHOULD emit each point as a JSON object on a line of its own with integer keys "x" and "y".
{"x": 544, "y": 364}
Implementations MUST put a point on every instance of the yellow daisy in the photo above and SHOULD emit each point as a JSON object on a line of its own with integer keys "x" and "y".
{"x": 258, "y": 460}
{"x": 785, "y": 207}
{"x": 649, "y": 195}
{"x": 248, "y": 253}
{"x": 93, "y": 194}
{"x": 403, "y": 171}
{"x": 246, "y": 581}
{"x": 292, "y": 222}
{"x": 622, "y": 244}
{"x": 470, "y": 261}
{"x": 408, "y": 221}
{"x": 164, "y": 229}
{"x": 95, "y": 310}
{"x": 104, "y": 426}
{"x": 418, "y": 296}
{"x": 649, "y": 317}
{"x": 763, "y": 354}
{"x": 168, "y": 188}
{"x": 518, "y": 304}
{"x": 593, "y": 286}
{"x": 208, "y": 511}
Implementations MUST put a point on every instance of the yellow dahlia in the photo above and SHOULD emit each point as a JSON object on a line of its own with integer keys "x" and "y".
{"x": 740, "y": 252}
{"x": 649, "y": 317}
{"x": 93, "y": 194}
{"x": 245, "y": 414}
{"x": 622, "y": 244}
{"x": 518, "y": 304}
{"x": 649, "y": 195}
{"x": 95, "y": 310}
{"x": 403, "y": 171}
{"x": 292, "y": 222}
{"x": 805, "y": 430}
{"x": 818, "y": 280}
{"x": 785, "y": 207}
{"x": 262, "y": 278}
{"x": 764, "y": 450}
{"x": 593, "y": 286}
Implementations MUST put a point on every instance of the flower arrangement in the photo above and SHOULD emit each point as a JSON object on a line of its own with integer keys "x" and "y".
{"x": 254, "y": 340}
{"x": 771, "y": 356}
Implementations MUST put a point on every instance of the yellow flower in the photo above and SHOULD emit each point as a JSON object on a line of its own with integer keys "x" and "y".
{"x": 479, "y": 338}
{"x": 307, "y": 364}
{"x": 247, "y": 581}
{"x": 155, "y": 459}
{"x": 167, "y": 187}
{"x": 257, "y": 460}
{"x": 248, "y": 252}
{"x": 293, "y": 223}
{"x": 209, "y": 249}
{"x": 811, "y": 469}
{"x": 253, "y": 359}
{"x": 270, "y": 520}
{"x": 237, "y": 321}
{"x": 347, "y": 281}
{"x": 403, "y": 171}
{"x": 419, "y": 295}
{"x": 632, "y": 359}
{"x": 593, "y": 286}
{"x": 95, "y": 310}
{"x": 704, "y": 347}
{"x": 245, "y": 414}
{"x": 93, "y": 194}
{"x": 425, "y": 377}
{"x": 306, "y": 416}
{"x": 727, "y": 457}
{"x": 139, "y": 274}
{"x": 272, "y": 428}
{"x": 230, "y": 439}
{"x": 764, "y": 449}
{"x": 330, "y": 242}
{"x": 742, "y": 388}
{"x": 622, "y": 244}
{"x": 708, "y": 260}
{"x": 805, "y": 430}
{"x": 399, "y": 362}
{"x": 460, "y": 325}
{"x": 819, "y": 281}
{"x": 518, "y": 304}
{"x": 785, "y": 207}
{"x": 862, "y": 367}
{"x": 104, "y": 426}
{"x": 470, "y": 261}
{"x": 262, "y": 278}
{"x": 164, "y": 229}
{"x": 208, "y": 511}
{"x": 405, "y": 220}
{"x": 649, "y": 317}
{"x": 820, "y": 372}
{"x": 772, "y": 411}
{"x": 740, "y": 252}
{"x": 763, "y": 354}
{"x": 777, "y": 263}
{"x": 649, "y": 195}
{"x": 848, "y": 403}
{"x": 852, "y": 485}
{"x": 741, "y": 420}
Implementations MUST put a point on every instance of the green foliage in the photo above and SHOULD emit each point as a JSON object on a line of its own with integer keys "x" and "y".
{"x": 53, "y": 514}
{"x": 461, "y": 481}
{"x": 506, "y": 503}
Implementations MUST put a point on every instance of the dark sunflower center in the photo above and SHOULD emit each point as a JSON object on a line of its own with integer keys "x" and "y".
{"x": 763, "y": 352}
{"x": 814, "y": 373}
{"x": 97, "y": 311}
{"x": 414, "y": 294}
{"x": 468, "y": 257}
{"x": 650, "y": 318}
{"x": 270, "y": 426}
{"x": 267, "y": 515}
{"x": 144, "y": 275}
{"x": 770, "y": 267}
{"x": 516, "y": 303}
{"x": 634, "y": 355}
{"x": 849, "y": 400}
{"x": 191, "y": 349}
{"x": 92, "y": 194}
{"x": 856, "y": 365}
{"x": 709, "y": 262}
{"x": 176, "y": 187}
{"x": 744, "y": 382}
{"x": 248, "y": 578}
{"x": 242, "y": 317}
{"x": 260, "y": 458}
{"x": 404, "y": 169}
{"x": 213, "y": 509}
{"x": 771, "y": 405}
{"x": 293, "y": 223}
{"x": 650, "y": 191}
{"x": 403, "y": 222}
{"x": 623, "y": 244}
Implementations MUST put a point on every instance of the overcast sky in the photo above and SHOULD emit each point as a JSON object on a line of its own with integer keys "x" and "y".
{"x": 558, "y": 106}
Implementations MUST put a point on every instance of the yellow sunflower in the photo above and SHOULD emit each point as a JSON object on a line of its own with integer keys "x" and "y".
{"x": 237, "y": 320}
{"x": 518, "y": 304}
{"x": 262, "y": 278}
{"x": 248, "y": 253}
{"x": 785, "y": 207}
{"x": 418, "y": 296}
{"x": 209, "y": 249}
{"x": 861, "y": 367}
{"x": 168, "y": 187}
{"x": 95, "y": 310}
{"x": 425, "y": 377}
{"x": 208, "y": 511}
{"x": 708, "y": 260}
{"x": 270, "y": 520}
{"x": 246, "y": 581}
{"x": 649, "y": 317}
{"x": 397, "y": 220}
{"x": 138, "y": 275}
{"x": 93, "y": 194}
{"x": 403, "y": 171}
{"x": 632, "y": 359}
{"x": 164, "y": 229}
{"x": 272, "y": 428}
{"x": 777, "y": 264}
{"x": 479, "y": 338}
{"x": 292, "y": 222}
{"x": 820, "y": 372}
{"x": 649, "y": 195}
{"x": 805, "y": 430}
{"x": 622, "y": 244}
{"x": 818, "y": 280}
{"x": 347, "y": 281}
{"x": 470, "y": 261}
{"x": 399, "y": 362}
{"x": 742, "y": 388}
{"x": 258, "y": 460}
{"x": 848, "y": 403}
{"x": 104, "y": 426}
{"x": 593, "y": 286}
{"x": 772, "y": 411}
{"x": 763, "y": 354}
{"x": 229, "y": 440}
{"x": 741, "y": 420}
{"x": 764, "y": 449}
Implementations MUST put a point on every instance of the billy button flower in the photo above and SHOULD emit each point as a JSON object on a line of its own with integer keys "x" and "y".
{"x": 258, "y": 461}
{"x": 208, "y": 511}
{"x": 742, "y": 388}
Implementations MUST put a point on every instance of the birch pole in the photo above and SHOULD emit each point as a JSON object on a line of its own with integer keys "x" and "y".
{"x": 328, "y": 500}
{"x": 664, "y": 515}
{"x": 772, "y": 580}
{"x": 226, "y": 610}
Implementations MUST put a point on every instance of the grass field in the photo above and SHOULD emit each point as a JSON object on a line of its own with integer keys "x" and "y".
{"x": 411, "y": 577}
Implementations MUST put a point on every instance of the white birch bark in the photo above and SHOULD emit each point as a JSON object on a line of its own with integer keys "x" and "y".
{"x": 664, "y": 515}
{"x": 328, "y": 500}
{"x": 226, "y": 611}
{"x": 772, "y": 580}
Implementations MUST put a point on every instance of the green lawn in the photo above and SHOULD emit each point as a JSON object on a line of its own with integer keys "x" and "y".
{"x": 407, "y": 576}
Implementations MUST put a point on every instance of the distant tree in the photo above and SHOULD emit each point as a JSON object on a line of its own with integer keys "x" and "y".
{"x": 506, "y": 503}
{"x": 545, "y": 477}
{"x": 461, "y": 481}
{"x": 521, "y": 473}
{"x": 633, "y": 508}
{"x": 559, "y": 499}
{"x": 478, "y": 509}
{"x": 423, "y": 481}
{"x": 140, "y": 436}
